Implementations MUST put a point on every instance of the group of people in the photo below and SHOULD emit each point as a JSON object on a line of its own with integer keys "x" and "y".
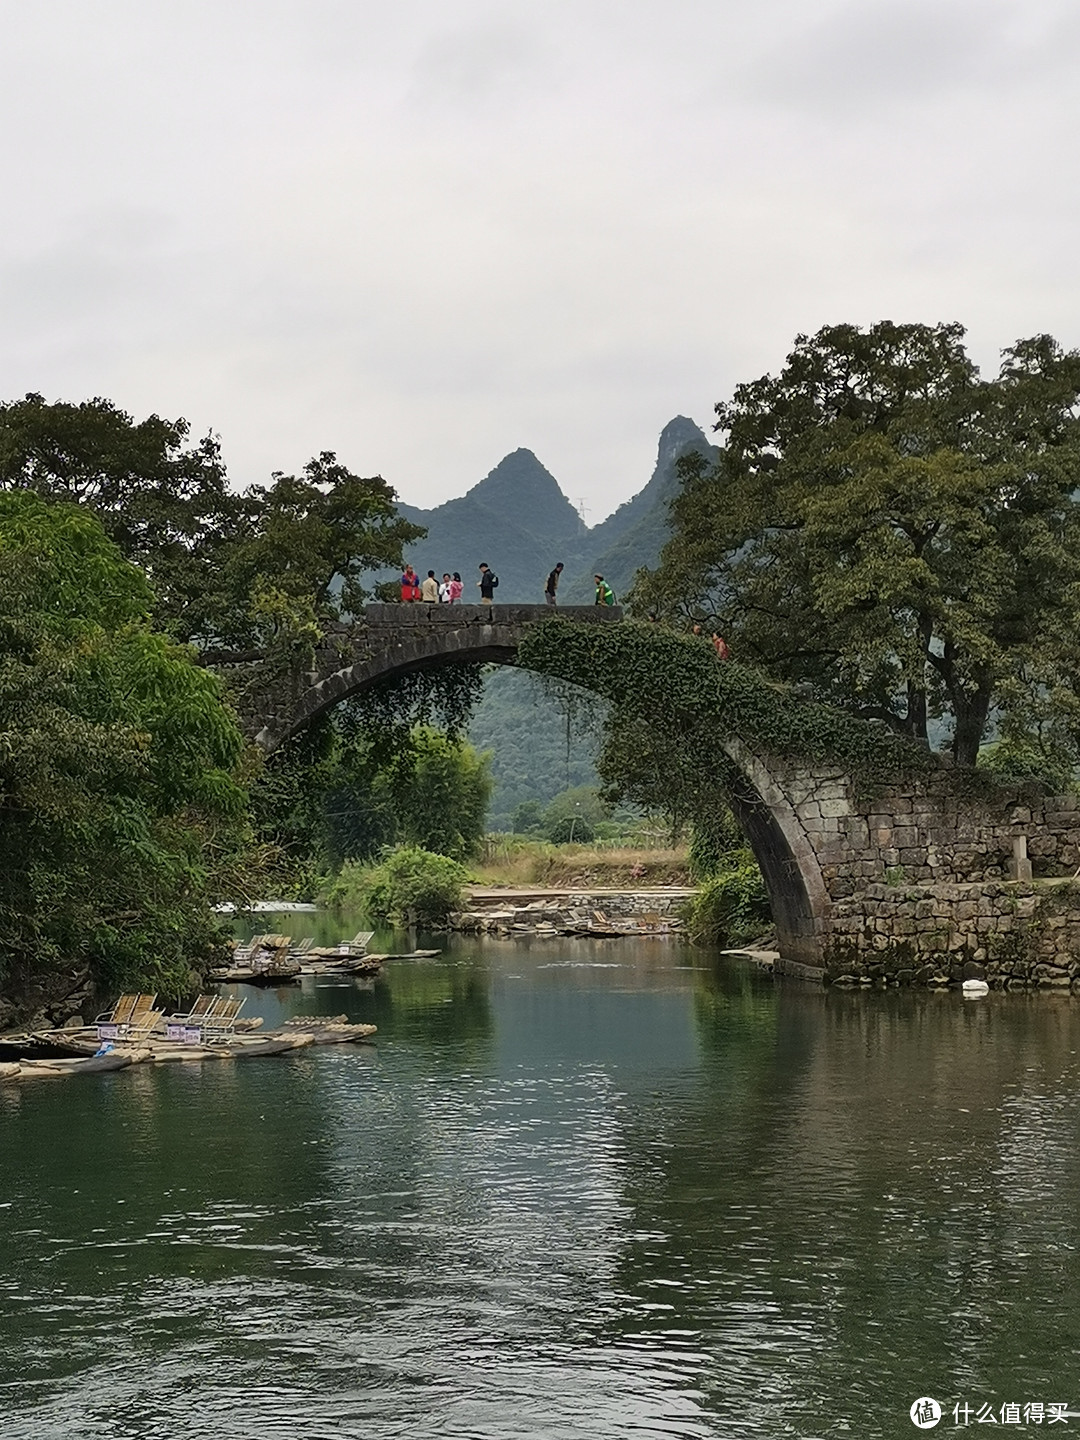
{"x": 446, "y": 591}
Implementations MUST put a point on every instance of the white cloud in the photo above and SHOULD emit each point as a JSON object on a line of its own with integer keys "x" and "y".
{"x": 426, "y": 234}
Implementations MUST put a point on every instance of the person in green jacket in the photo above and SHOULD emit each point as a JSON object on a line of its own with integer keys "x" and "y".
{"x": 604, "y": 593}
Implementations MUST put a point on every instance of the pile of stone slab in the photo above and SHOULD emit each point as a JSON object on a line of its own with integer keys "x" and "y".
{"x": 553, "y": 918}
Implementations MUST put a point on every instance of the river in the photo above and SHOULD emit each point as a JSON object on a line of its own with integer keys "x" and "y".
{"x": 577, "y": 1189}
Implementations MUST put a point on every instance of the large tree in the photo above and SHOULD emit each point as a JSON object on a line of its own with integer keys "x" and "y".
{"x": 895, "y": 532}
{"x": 252, "y": 570}
{"x": 343, "y": 790}
{"x": 121, "y": 814}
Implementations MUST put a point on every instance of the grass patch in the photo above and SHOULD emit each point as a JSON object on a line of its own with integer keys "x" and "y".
{"x": 519, "y": 863}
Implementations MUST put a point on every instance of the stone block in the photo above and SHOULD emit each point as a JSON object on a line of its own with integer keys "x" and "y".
{"x": 828, "y": 792}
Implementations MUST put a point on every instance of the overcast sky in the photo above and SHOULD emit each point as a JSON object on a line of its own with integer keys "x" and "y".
{"x": 426, "y": 232}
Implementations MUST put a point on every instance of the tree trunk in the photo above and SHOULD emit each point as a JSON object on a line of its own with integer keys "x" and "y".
{"x": 916, "y": 712}
{"x": 916, "y": 693}
{"x": 971, "y": 709}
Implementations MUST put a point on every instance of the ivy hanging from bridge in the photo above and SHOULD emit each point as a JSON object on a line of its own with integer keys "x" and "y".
{"x": 664, "y": 686}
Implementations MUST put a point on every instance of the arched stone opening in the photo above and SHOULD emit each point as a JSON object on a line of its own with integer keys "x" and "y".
{"x": 789, "y": 864}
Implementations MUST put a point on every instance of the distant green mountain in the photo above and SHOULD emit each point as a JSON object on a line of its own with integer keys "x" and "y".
{"x": 514, "y": 521}
{"x": 518, "y": 521}
{"x": 533, "y": 754}
{"x": 632, "y": 537}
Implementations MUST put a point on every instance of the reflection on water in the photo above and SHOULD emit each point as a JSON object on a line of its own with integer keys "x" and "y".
{"x": 577, "y": 1190}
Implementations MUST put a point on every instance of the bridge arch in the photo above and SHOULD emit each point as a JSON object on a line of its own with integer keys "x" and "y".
{"x": 394, "y": 640}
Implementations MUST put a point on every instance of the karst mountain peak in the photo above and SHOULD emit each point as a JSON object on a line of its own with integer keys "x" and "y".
{"x": 518, "y": 520}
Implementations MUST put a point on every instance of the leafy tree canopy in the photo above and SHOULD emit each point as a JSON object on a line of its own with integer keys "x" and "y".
{"x": 121, "y": 817}
{"x": 895, "y": 533}
{"x": 343, "y": 792}
{"x": 261, "y": 569}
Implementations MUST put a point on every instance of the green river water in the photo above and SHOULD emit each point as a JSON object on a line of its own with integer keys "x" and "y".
{"x": 576, "y": 1189}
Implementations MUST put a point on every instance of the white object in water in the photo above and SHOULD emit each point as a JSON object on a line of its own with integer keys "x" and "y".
{"x": 975, "y": 989}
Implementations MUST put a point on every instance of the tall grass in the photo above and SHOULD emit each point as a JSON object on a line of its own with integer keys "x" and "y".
{"x": 514, "y": 861}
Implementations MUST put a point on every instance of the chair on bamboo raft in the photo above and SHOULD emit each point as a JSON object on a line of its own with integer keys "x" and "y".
{"x": 211, "y": 1018}
{"x": 133, "y": 1017}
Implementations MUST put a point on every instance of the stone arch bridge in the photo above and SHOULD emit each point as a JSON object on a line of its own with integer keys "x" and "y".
{"x": 917, "y": 882}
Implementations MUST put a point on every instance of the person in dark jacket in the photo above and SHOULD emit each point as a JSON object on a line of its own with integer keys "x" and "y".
{"x": 553, "y": 584}
{"x": 487, "y": 582}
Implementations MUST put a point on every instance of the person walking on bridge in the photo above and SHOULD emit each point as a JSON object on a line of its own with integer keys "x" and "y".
{"x": 429, "y": 589}
{"x": 552, "y": 585}
{"x": 487, "y": 582}
{"x": 604, "y": 593}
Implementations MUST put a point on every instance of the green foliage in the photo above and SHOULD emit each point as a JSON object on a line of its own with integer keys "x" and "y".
{"x": 166, "y": 504}
{"x": 410, "y": 886}
{"x": 529, "y": 815}
{"x": 732, "y": 907}
{"x": 579, "y": 806}
{"x": 341, "y": 791}
{"x": 715, "y": 835}
{"x": 121, "y": 818}
{"x": 264, "y": 570}
{"x": 1030, "y": 760}
{"x": 674, "y": 709}
{"x": 316, "y": 534}
{"x": 893, "y": 532}
{"x": 439, "y": 793}
{"x": 571, "y": 829}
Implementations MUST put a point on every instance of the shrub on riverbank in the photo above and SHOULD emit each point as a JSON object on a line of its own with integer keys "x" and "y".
{"x": 409, "y": 886}
{"x": 733, "y": 906}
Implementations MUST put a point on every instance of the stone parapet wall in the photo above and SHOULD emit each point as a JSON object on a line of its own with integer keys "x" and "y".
{"x": 1011, "y": 934}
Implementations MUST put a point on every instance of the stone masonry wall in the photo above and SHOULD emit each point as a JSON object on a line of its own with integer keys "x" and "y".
{"x": 935, "y": 880}
{"x": 1013, "y": 934}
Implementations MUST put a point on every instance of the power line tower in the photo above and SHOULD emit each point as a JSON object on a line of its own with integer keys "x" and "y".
{"x": 583, "y": 510}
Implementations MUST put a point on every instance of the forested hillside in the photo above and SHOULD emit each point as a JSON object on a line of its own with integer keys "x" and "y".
{"x": 533, "y": 757}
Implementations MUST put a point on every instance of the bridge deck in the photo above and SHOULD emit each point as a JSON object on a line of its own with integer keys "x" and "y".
{"x": 421, "y": 612}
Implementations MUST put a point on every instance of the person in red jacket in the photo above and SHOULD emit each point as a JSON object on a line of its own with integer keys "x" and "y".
{"x": 410, "y": 584}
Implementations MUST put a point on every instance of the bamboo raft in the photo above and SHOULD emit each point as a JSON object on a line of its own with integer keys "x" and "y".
{"x": 53, "y": 1054}
{"x": 281, "y": 960}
